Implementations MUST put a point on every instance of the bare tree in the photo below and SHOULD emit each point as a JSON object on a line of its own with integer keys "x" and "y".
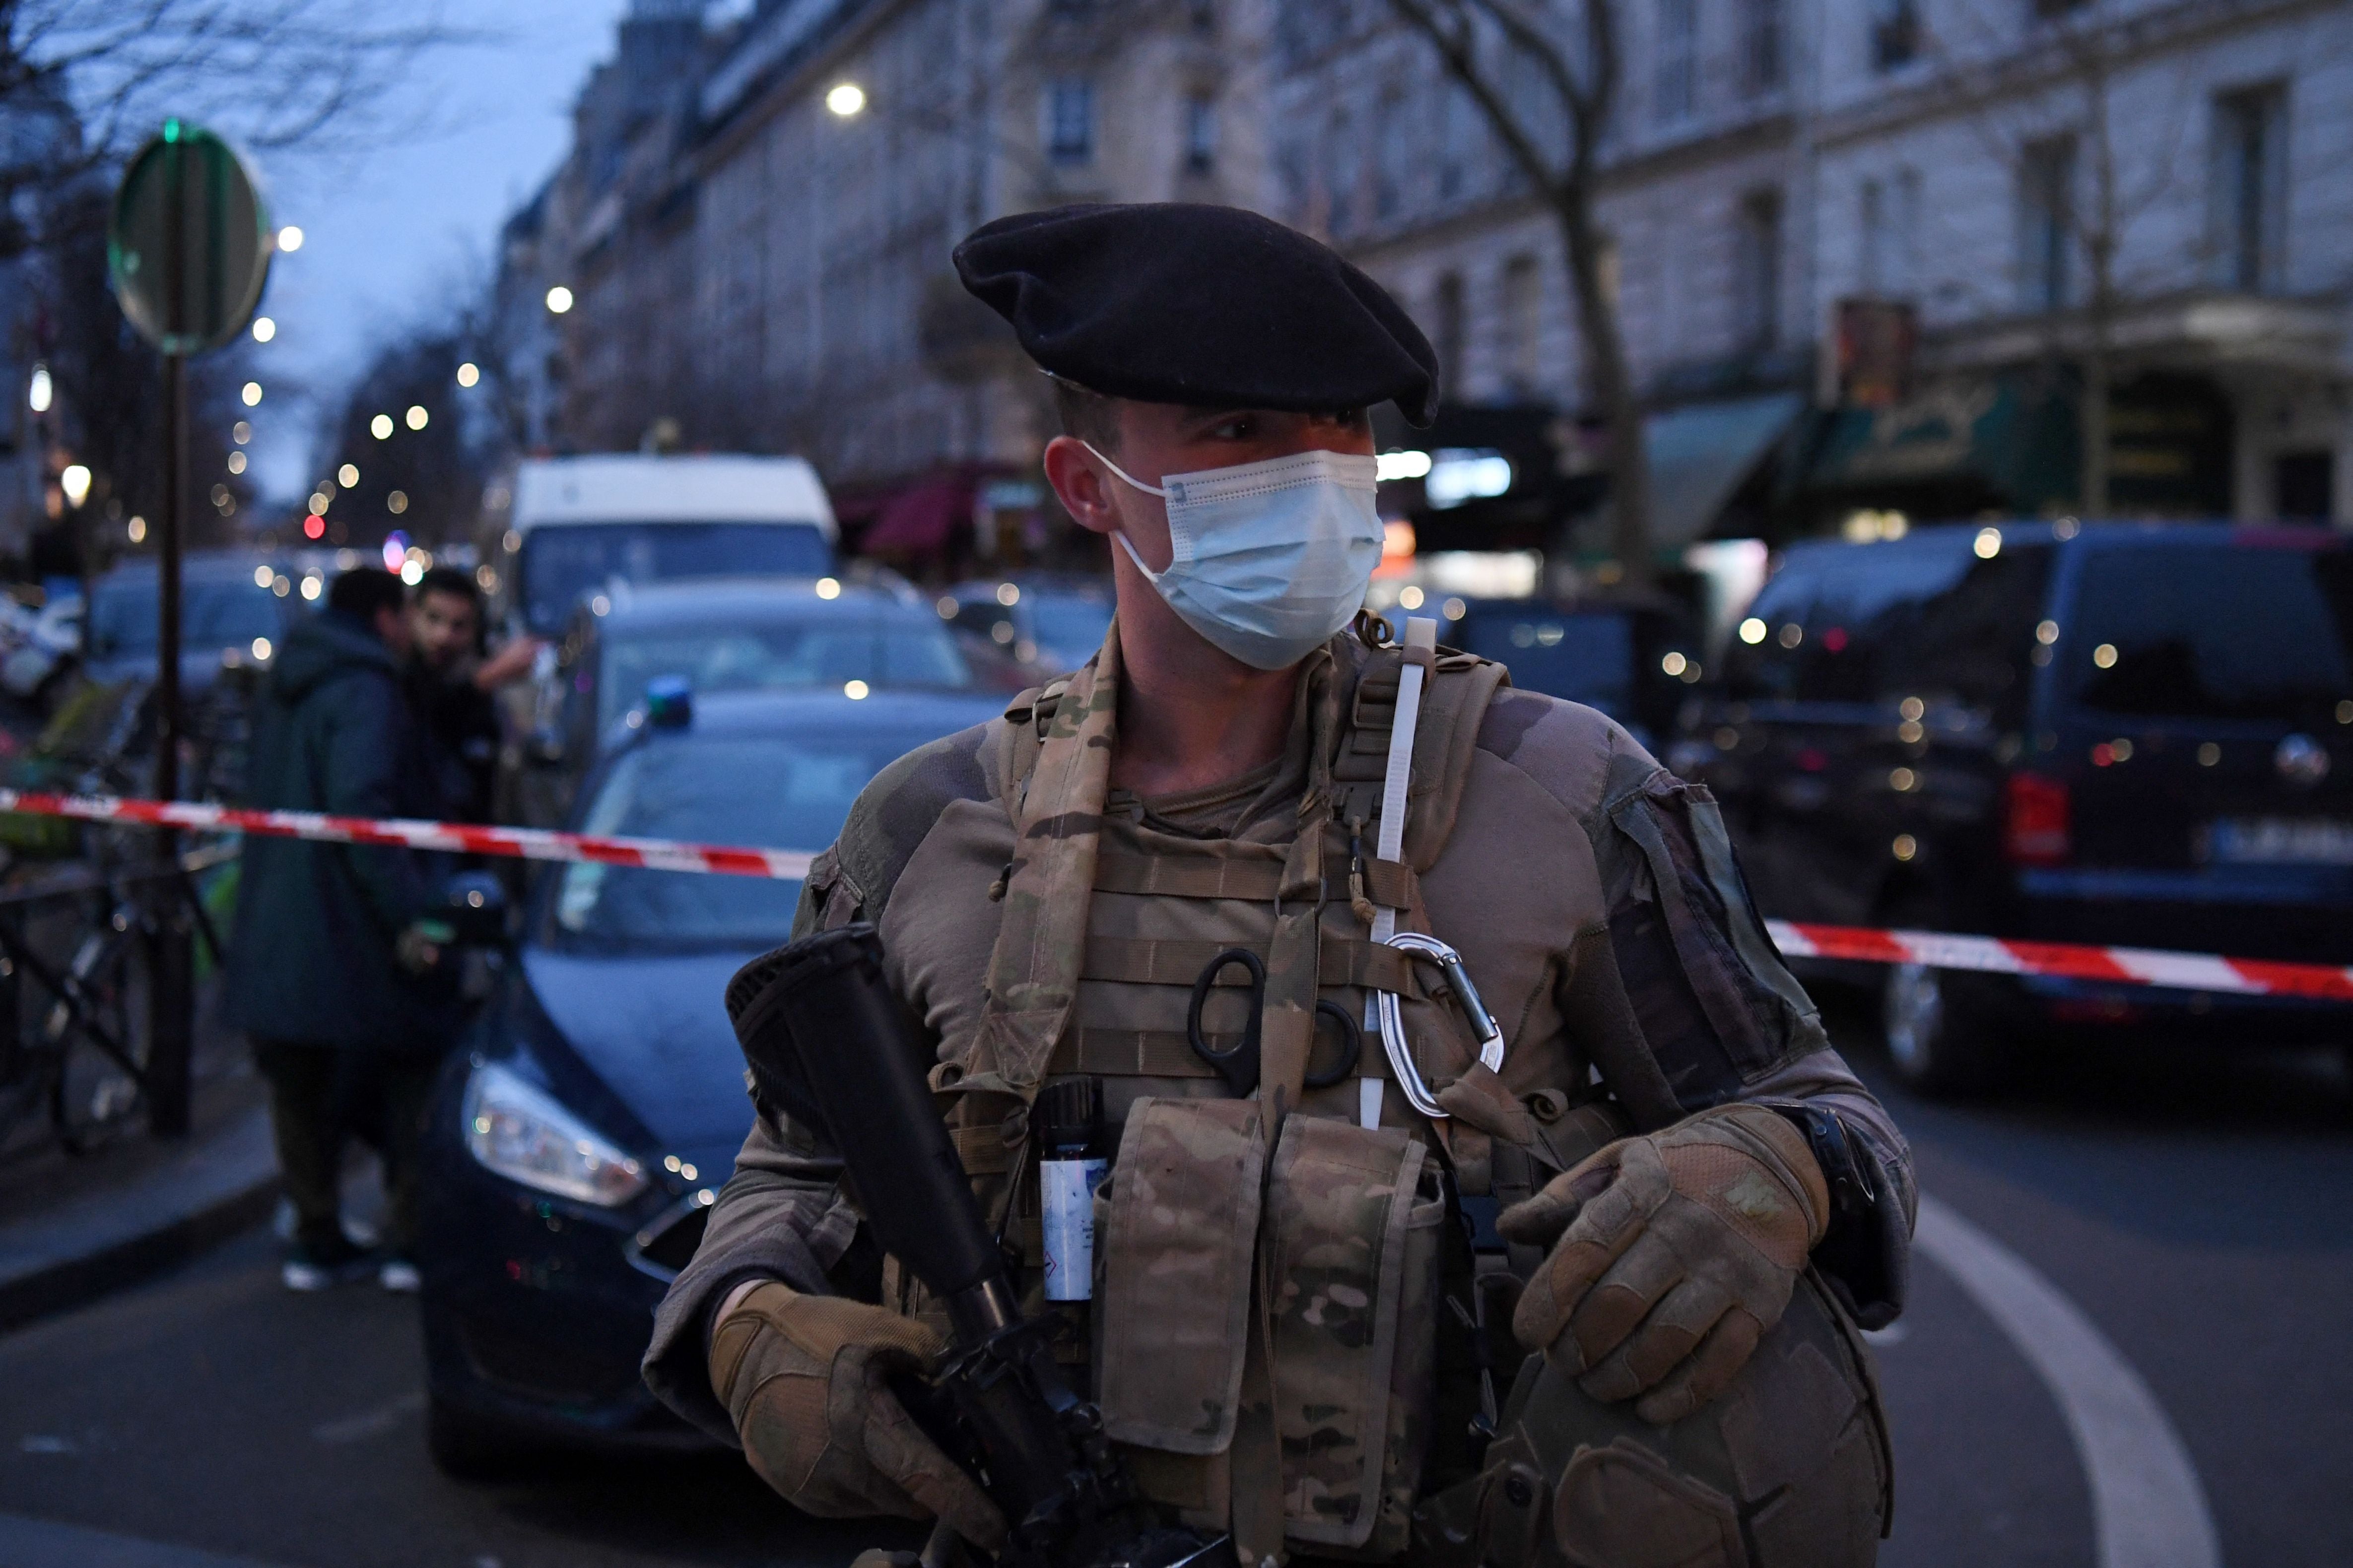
{"x": 2049, "y": 113}
{"x": 1568, "y": 50}
{"x": 88, "y": 80}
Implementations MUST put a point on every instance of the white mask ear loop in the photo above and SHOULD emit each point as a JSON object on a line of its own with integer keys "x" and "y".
{"x": 1149, "y": 574}
{"x": 1123, "y": 473}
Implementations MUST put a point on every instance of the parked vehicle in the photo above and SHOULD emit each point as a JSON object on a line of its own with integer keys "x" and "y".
{"x": 575, "y": 1148}
{"x": 38, "y": 644}
{"x": 581, "y": 524}
{"x": 1054, "y": 621}
{"x": 723, "y": 635}
{"x": 234, "y": 608}
{"x": 1635, "y": 662}
{"x": 2119, "y": 734}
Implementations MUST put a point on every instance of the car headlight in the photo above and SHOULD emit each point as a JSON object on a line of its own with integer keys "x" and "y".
{"x": 516, "y": 1128}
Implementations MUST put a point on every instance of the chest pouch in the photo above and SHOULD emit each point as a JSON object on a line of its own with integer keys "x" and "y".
{"x": 1334, "y": 1234}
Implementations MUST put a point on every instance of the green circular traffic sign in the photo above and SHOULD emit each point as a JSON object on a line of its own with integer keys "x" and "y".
{"x": 189, "y": 241}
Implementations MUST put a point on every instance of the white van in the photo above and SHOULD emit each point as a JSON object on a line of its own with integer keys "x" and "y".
{"x": 578, "y": 523}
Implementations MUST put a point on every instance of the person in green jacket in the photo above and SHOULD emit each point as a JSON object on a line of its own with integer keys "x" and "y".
{"x": 336, "y": 971}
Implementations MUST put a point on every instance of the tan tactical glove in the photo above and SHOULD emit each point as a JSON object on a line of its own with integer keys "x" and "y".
{"x": 1671, "y": 1255}
{"x": 805, "y": 1379}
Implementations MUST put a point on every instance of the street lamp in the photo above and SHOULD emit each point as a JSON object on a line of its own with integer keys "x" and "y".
{"x": 75, "y": 482}
{"x": 846, "y": 99}
{"x": 559, "y": 300}
{"x": 42, "y": 390}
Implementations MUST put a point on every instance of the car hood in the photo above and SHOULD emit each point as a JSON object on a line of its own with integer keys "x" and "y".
{"x": 653, "y": 1028}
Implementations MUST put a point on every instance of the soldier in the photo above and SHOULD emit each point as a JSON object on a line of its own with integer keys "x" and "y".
{"x": 1561, "y": 1262}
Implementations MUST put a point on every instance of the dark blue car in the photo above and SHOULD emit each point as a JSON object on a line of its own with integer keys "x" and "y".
{"x": 2133, "y": 735}
{"x": 576, "y": 1145}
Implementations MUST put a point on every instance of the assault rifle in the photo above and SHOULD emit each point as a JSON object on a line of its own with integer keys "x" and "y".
{"x": 832, "y": 1047}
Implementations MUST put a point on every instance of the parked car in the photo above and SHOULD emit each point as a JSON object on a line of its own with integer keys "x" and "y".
{"x": 1634, "y": 661}
{"x": 1054, "y": 621}
{"x": 38, "y": 644}
{"x": 2116, "y": 734}
{"x": 234, "y": 608}
{"x": 580, "y": 525}
{"x": 722, "y": 635}
{"x": 576, "y": 1146}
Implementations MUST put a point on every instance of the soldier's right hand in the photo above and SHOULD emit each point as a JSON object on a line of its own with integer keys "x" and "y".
{"x": 805, "y": 1379}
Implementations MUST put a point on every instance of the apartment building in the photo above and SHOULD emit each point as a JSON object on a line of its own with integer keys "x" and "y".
{"x": 2002, "y": 187}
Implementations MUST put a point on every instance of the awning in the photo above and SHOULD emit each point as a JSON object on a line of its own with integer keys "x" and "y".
{"x": 1970, "y": 443}
{"x": 1700, "y": 455}
{"x": 919, "y": 521}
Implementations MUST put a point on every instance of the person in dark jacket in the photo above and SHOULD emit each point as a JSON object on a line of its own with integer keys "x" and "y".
{"x": 451, "y": 688}
{"x": 336, "y": 973}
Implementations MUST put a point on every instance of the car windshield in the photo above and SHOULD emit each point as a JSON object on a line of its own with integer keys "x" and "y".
{"x": 883, "y": 651}
{"x": 2214, "y": 631}
{"x": 1071, "y": 623}
{"x": 212, "y": 615}
{"x": 765, "y": 792}
{"x": 1582, "y": 658}
{"x": 561, "y": 563}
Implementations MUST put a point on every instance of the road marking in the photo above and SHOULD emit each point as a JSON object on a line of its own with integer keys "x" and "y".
{"x": 368, "y": 1423}
{"x": 47, "y": 1543}
{"x": 2148, "y": 1509}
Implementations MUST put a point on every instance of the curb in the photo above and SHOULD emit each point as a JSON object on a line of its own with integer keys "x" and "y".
{"x": 104, "y": 1241}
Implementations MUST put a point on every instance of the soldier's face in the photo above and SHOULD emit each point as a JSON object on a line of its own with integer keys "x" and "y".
{"x": 1157, "y": 439}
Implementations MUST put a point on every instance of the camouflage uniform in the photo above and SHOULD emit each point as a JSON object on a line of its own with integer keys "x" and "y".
{"x": 1595, "y": 901}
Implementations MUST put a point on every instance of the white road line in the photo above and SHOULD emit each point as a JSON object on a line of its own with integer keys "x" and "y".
{"x": 47, "y": 1543}
{"x": 2148, "y": 1509}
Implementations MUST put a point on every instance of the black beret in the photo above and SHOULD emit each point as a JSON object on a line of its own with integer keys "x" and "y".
{"x": 1182, "y": 302}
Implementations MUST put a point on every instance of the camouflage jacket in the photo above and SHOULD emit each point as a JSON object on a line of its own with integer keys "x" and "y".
{"x": 1592, "y": 894}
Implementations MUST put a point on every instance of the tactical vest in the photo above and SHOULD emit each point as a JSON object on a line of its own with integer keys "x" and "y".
{"x": 1262, "y": 1331}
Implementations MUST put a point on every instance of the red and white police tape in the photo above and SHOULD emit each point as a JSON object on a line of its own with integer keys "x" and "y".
{"x": 463, "y": 838}
{"x": 1940, "y": 950}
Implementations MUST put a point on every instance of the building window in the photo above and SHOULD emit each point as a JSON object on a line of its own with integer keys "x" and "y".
{"x": 2046, "y": 215}
{"x": 1678, "y": 59}
{"x": 1891, "y": 210}
{"x": 1894, "y": 33}
{"x": 1071, "y": 120}
{"x": 1200, "y": 134}
{"x": 1761, "y": 61}
{"x": 1393, "y": 157}
{"x": 1342, "y": 171}
{"x": 2249, "y": 188}
{"x": 1447, "y": 330}
{"x": 1522, "y": 320}
{"x": 1759, "y": 301}
{"x": 1458, "y": 135}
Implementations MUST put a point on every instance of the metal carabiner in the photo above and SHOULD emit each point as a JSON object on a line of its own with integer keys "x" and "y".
{"x": 1389, "y": 1007}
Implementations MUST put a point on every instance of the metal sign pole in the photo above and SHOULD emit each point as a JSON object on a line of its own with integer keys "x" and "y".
{"x": 170, "y": 990}
{"x": 187, "y": 248}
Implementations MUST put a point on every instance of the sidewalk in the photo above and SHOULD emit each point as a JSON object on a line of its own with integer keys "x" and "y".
{"x": 74, "y": 1227}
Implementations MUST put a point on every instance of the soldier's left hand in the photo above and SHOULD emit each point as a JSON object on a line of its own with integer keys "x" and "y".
{"x": 1671, "y": 1256}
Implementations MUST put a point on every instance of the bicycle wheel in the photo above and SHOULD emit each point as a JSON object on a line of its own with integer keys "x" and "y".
{"x": 104, "y": 1042}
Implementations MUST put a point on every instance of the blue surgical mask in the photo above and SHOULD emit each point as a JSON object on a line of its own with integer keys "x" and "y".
{"x": 1270, "y": 558}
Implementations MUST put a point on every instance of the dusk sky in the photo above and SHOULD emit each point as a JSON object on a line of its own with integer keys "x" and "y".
{"x": 392, "y": 230}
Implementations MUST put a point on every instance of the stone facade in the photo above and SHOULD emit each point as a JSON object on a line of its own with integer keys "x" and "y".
{"x": 1768, "y": 160}
{"x": 772, "y": 276}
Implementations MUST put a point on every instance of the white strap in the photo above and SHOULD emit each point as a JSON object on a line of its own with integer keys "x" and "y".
{"x": 1420, "y": 631}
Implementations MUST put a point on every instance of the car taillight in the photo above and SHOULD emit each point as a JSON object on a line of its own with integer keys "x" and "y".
{"x": 2034, "y": 824}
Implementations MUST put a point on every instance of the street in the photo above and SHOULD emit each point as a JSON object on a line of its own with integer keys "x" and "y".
{"x": 2192, "y": 1208}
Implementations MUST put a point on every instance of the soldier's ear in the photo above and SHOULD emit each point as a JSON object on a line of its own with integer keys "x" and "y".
{"x": 1081, "y": 484}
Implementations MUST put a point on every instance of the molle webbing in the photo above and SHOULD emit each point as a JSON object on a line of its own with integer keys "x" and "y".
{"x": 1163, "y": 1053}
{"x": 1391, "y": 883}
{"x": 1340, "y": 961}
